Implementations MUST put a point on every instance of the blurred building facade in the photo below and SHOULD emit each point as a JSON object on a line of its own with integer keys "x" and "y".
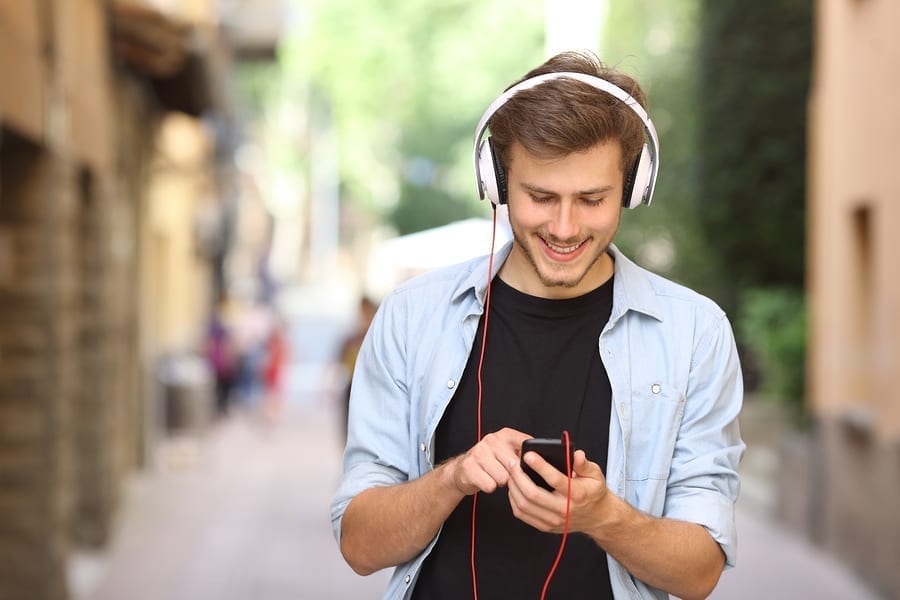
{"x": 852, "y": 465}
{"x": 116, "y": 136}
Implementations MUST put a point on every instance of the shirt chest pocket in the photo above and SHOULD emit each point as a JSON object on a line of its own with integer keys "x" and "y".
{"x": 656, "y": 413}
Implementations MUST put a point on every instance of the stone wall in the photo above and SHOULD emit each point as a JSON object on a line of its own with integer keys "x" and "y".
{"x": 836, "y": 488}
{"x": 78, "y": 352}
{"x": 94, "y": 406}
{"x": 853, "y": 291}
{"x": 38, "y": 371}
{"x": 70, "y": 402}
{"x": 860, "y": 523}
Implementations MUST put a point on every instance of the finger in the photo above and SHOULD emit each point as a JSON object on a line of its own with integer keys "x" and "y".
{"x": 484, "y": 482}
{"x": 485, "y": 462}
{"x": 505, "y": 444}
{"x": 514, "y": 437}
{"x": 534, "y": 505}
{"x": 473, "y": 475}
{"x": 489, "y": 457}
{"x": 528, "y": 491}
{"x": 497, "y": 471}
{"x": 582, "y": 467}
{"x": 556, "y": 479}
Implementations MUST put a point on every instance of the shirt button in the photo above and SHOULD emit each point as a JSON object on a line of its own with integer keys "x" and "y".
{"x": 655, "y": 388}
{"x": 450, "y": 384}
{"x": 422, "y": 446}
{"x": 407, "y": 579}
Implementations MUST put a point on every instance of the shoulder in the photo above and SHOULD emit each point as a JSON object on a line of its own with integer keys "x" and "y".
{"x": 659, "y": 296}
{"x": 676, "y": 293}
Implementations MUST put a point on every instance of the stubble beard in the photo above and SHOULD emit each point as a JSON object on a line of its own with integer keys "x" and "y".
{"x": 545, "y": 279}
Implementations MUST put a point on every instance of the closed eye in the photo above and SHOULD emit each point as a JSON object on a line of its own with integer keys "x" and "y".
{"x": 541, "y": 199}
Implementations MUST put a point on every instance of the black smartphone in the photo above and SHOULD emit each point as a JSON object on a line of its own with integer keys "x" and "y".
{"x": 553, "y": 451}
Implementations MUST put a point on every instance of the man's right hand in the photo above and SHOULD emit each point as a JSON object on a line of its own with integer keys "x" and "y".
{"x": 386, "y": 526}
{"x": 486, "y": 466}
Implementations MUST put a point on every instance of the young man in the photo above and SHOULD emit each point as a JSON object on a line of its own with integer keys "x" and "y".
{"x": 642, "y": 373}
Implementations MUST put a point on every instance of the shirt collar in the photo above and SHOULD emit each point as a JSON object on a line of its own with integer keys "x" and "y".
{"x": 476, "y": 280}
{"x": 632, "y": 290}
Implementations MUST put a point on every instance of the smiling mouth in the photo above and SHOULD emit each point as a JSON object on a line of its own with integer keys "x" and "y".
{"x": 564, "y": 249}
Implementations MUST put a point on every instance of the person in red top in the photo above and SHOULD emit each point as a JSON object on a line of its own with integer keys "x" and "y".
{"x": 273, "y": 369}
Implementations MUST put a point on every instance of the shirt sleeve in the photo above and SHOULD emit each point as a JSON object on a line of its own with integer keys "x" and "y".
{"x": 703, "y": 483}
{"x": 378, "y": 420}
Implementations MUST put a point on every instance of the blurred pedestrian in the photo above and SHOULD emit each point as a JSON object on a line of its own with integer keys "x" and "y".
{"x": 277, "y": 351}
{"x": 251, "y": 324}
{"x": 349, "y": 352}
{"x": 221, "y": 355}
{"x": 562, "y": 337}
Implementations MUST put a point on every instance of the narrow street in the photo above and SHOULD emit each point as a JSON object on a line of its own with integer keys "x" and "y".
{"x": 241, "y": 511}
{"x": 240, "y": 514}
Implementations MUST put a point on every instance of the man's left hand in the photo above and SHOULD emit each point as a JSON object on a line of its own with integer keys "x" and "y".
{"x": 545, "y": 510}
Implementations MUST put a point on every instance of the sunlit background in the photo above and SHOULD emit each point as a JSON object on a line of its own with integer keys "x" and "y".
{"x": 197, "y": 195}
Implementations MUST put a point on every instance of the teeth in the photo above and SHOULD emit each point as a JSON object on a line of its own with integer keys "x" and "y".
{"x": 564, "y": 249}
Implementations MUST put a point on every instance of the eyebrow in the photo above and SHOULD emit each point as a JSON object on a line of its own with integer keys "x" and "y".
{"x": 590, "y": 192}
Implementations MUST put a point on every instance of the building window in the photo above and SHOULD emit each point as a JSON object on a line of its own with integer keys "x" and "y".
{"x": 862, "y": 294}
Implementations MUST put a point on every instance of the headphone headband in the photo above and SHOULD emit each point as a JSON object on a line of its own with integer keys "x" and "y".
{"x": 645, "y": 172}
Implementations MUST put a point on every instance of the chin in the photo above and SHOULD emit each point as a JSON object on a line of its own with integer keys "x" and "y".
{"x": 567, "y": 277}
{"x": 561, "y": 283}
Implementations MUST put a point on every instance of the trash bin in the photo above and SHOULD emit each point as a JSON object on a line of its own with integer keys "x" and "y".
{"x": 187, "y": 392}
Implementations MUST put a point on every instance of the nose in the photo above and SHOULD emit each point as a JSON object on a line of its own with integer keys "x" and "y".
{"x": 563, "y": 226}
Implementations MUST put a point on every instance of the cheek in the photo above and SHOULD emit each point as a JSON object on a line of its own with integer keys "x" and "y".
{"x": 606, "y": 220}
{"x": 527, "y": 224}
{"x": 525, "y": 219}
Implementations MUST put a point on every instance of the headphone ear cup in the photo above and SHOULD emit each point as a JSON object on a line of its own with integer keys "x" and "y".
{"x": 488, "y": 178}
{"x": 493, "y": 177}
{"x": 499, "y": 174}
{"x": 637, "y": 181}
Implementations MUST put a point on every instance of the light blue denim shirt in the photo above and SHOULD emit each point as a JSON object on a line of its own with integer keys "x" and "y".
{"x": 674, "y": 442}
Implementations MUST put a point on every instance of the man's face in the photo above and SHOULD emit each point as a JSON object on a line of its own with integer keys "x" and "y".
{"x": 564, "y": 214}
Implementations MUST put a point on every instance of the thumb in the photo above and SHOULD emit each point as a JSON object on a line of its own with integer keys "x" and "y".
{"x": 585, "y": 468}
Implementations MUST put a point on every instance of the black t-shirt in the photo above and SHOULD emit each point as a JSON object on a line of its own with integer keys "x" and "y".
{"x": 542, "y": 374}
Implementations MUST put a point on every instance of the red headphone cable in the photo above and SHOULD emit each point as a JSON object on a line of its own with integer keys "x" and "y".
{"x": 565, "y": 533}
{"x": 565, "y": 435}
{"x": 487, "y": 312}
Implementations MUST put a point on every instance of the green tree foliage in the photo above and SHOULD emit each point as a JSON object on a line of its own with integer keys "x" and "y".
{"x": 772, "y": 325}
{"x": 655, "y": 41}
{"x": 754, "y": 79}
{"x": 727, "y": 83}
{"x": 405, "y": 82}
{"x": 755, "y": 64}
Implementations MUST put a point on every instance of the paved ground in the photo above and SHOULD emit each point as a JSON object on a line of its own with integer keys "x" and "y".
{"x": 777, "y": 566}
{"x": 242, "y": 514}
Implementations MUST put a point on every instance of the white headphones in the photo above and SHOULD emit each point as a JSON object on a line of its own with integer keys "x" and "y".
{"x": 639, "y": 180}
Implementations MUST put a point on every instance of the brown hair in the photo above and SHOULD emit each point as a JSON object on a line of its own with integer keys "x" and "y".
{"x": 562, "y": 116}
